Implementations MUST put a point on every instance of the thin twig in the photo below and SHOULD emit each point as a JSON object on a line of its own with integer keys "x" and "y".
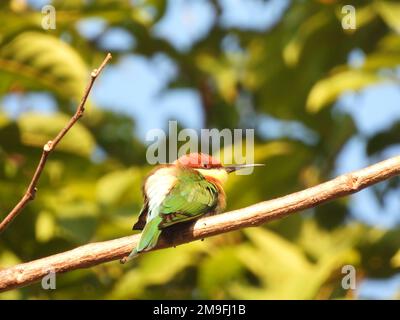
{"x": 255, "y": 215}
{"x": 49, "y": 147}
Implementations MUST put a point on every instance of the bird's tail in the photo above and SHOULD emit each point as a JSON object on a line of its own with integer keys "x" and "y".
{"x": 148, "y": 239}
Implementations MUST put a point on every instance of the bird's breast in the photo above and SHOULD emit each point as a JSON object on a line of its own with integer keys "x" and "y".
{"x": 157, "y": 187}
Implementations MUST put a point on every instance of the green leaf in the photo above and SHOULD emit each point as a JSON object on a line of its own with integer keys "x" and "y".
{"x": 378, "y": 248}
{"x": 327, "y": 90}
{"x": 77, "y": 221}
{"x": 381, "y": 60}
{"x": 329, "y": 243}
{"x": 120, "y": 187}
{"x": 293, "y": 50}
{"x": 225, "y": 73}
{"x": 382, "y": 140}
{"x": 155, "y": 268}
{"x": 45, "y": 226}
{"x": 36, "y": 129}
{"x": 4, "y": 120}
{"x": 42, "y": 61}
{"x": 390, "y": 13}
{"x": 283, "y": 268}
{"x": 212, "y": 278}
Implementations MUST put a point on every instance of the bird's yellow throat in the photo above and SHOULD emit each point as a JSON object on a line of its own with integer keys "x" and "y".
{"x": 219, "y": 174}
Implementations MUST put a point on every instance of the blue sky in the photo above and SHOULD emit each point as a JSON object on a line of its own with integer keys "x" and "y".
{"x": 135, "y": 86}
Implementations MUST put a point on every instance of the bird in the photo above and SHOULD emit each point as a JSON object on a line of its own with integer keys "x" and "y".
{"x": 187, "y": 189}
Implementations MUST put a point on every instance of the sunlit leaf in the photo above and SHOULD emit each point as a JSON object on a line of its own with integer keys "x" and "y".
{"x": 120, "y": 187}
{"x": 41, "y": 60}
{"x": 45, "y": 226}
{"x": 326, "y": 91}
{"x": 152, "y": 270}
{"x": 293, "y": 49}
{"x": 390, "y": 12}
{"x": 212, "y": 278}
{"x": 37, "y": 129}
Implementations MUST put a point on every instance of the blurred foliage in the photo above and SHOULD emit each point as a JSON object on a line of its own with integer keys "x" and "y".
{"x": 294, "y": 71}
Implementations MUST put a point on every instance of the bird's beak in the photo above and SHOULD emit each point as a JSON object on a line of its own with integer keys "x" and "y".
{"x": 234, "y": 168}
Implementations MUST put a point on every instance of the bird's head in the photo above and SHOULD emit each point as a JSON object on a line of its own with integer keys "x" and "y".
{"x": 209, "y": 166}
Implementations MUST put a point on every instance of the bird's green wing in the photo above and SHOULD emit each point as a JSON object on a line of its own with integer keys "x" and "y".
{"x": 191, "y": 197}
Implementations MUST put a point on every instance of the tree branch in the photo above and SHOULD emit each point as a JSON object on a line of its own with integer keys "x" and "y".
{"x": 49, "y": 147}
{"x": 255, "y": 215}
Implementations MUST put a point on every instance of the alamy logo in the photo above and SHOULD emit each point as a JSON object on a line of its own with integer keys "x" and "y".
{"x": 49, "y": 17}
{"x": 349, "y": 21}
{"x": 49, "y": 280}
{"x": 349, "y": 280}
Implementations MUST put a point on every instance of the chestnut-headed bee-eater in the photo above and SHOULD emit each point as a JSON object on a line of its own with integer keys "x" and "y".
{"x": 184, "y": 190}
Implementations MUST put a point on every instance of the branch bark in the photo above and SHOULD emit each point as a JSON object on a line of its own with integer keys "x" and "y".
{"x": 255, "y": 215}
{"x": 49, "y": 147}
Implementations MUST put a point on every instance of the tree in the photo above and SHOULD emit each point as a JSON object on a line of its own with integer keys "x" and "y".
{"x": 290, "y": 73}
